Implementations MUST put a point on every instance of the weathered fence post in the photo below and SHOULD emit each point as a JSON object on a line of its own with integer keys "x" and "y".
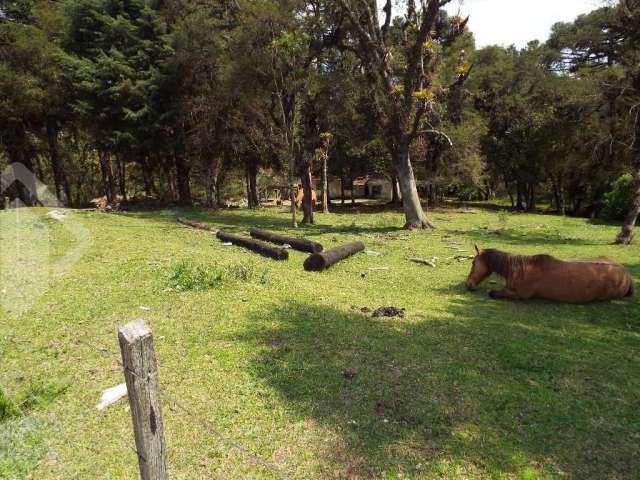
{"x": 141, "y": 374}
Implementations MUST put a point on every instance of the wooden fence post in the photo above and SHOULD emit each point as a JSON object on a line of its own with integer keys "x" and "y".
{"x": 141, "y": 374}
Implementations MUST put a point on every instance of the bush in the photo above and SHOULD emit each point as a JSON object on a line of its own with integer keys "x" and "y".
{"x": 467, "y": 194}
{"x": 241, "y": 272}
{"x": 8, "y": 408}
{"x": 619, "y": 201}
{"x": 187, "y": 276}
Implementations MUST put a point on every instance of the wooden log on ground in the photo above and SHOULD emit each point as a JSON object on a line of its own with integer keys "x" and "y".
{"x": 198, "y": 225}
{"x": 297, "y": 243}
{"x": 319, "y": 261}
{"x": 258, "y": 246}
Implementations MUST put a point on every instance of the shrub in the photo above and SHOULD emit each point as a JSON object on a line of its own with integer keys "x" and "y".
{"x": 466, "y": 193}
{"x": 619, "y": 201}
{"x": 241, "y": 272}
{"x": 35, "y": 396}
{"x": 7, "y": 407}
{"x": 185, "y": 275}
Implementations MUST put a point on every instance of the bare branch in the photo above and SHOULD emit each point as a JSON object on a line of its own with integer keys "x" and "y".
{"x": 371, "y": 50}
{"x": 387, "y": 20}
{"x": 348, "y": 11}
{"x": 430, "y": 10}
{"x": 438, "y": 132}
{"x": 372, "y": 19}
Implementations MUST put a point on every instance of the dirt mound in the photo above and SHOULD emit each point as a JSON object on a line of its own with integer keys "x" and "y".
{"x": 388, "y": 312}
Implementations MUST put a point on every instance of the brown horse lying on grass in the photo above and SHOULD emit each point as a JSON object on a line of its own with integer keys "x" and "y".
{"x": 543, "y": 276}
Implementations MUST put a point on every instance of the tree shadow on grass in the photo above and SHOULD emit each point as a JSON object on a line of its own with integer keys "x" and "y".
{"x": 239, "y": 221}
{"x": 512, "y": 236}
{"x": 495, "y": 388}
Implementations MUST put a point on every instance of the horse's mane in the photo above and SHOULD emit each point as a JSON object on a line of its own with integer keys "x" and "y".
{"x": 507, "y": 265}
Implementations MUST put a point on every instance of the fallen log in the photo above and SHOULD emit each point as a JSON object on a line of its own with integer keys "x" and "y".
{"x": 258, "y": 246}
{"x": 319, "y": 261}
{"x": 297, "y": 243}
{"x": 199, "y": 226}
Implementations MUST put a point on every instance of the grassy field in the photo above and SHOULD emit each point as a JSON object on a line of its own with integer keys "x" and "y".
{"x": 286, "y": 363}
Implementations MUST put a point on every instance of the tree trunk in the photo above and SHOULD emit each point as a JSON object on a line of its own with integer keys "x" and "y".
{"x": 342, "y": 197}
{"x": 395, "y": 191}
{"x": 353, "y": 192}
{"x": 562, "y": 207}
{"x": 432, "y": 194}
{"x": 107, "y": 177}
{"x": 525, "y": 195}
{"x": 307, "y": 201}
{"x": 292, "y": 189}
{"x": 252, "y": 184}
{"x": 212, "y": 181}
{"x": 122, "y": 174}
{"x": 247, "y": 186}
{"x": 182, "y": 179}
{"x": 625, "y": 237}
{"x": 414, "y": 215}
{"x": 519, "y": 204}
{"x": 325, "y": 185}
{"x": 292, "y": 199}
{"x": 219, "y": 181}
{"x": 147, "y": 176}
{"x": 556, "y": 193}
{"x": 171, "y": 183}
{"x": 37, "y": 166}
{"x": 509, "y": 192}
{"x": 62, "y": 191}
{"x": 531, "y": 203}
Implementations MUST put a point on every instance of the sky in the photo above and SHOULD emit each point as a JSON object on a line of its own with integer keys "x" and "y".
{"x": 506, "y": 22}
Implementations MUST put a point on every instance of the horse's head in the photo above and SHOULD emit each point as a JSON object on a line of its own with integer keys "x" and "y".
{"x": 479, "y": 270}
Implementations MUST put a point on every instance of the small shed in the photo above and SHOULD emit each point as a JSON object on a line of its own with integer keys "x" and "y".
{"x": 379, "y": 187}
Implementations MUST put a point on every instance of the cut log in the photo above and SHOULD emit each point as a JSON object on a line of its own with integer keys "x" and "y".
{"x": 297, "y": 243}
{"x": 320, "y": 261}
{"x": 199, "y": 226}
{"x": 258, "y": 246}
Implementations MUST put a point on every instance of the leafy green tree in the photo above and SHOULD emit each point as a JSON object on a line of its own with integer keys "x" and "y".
{"x": 402, "y": 79}
{"x": 120, "y": 64}
{"x": 31, "y": 83}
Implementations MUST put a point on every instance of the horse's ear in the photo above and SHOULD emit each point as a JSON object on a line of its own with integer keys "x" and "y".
{"x": 477, "y": 249}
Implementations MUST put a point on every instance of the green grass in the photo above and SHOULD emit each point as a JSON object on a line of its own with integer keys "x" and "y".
{"x": 461, "y": 387}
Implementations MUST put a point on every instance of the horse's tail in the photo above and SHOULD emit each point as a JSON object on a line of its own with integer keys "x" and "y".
{"x": 632, "y": 288}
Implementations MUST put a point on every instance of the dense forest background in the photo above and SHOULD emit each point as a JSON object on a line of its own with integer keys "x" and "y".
{"x": 185, "y": 101}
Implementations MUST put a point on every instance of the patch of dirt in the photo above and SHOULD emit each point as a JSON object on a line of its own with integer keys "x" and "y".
{"x": 364, "y": 310}
{"x": 381, "y": 409}
{"x": 388, "y": 312}
{"x": 349, "y": 374}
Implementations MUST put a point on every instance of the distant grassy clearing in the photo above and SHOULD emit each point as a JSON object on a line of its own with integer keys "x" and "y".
{"x": 462, "y": 387}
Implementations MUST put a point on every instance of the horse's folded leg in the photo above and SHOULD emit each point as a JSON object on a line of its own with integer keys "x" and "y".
{"x": 505, "y": 293}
